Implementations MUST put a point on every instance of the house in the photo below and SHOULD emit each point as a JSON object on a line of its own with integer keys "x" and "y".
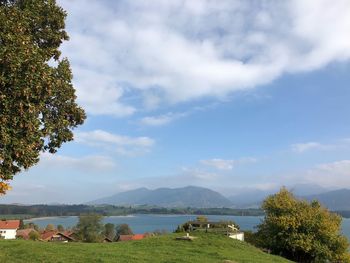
{"x": 223, "y": 227}
{"x": 130, "y": 237}
{"x": 238, "y": 236}
{"x": 8, "y": 228}
{"x": 55, "y": 236}
{"x": 24, "y": 233}
{"x": 107, "y": 240}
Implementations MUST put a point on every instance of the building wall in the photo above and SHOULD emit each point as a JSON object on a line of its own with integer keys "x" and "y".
{"x": 8, "y": 233}
{"x": 238, "y": 236}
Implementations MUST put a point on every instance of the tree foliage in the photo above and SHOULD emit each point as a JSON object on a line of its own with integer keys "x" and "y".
{"x": 123, "y": 229}
{"x": 50, "y": 227}
{"x": 89, "y": 228}
{"x": 34, "y": 235}
{"x": 301, "y": 231}
{"x": 38, "y": 108}
{"x": 60, "y": 228}
{"x": 109, "y": 231}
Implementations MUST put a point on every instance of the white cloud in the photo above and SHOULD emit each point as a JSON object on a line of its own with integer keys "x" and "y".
{"x": 222, "y": 164}
{"x": 86, "y": 163}
{"x": 161, "y": 119}
{"x": 309, "y": 146}
{"x": 334, "y": 174}
{"x": 194, "y": 174}
{"x": 303, "y": 147}
{"x": 124, "y": 145}
{"x": 185, "y": 50}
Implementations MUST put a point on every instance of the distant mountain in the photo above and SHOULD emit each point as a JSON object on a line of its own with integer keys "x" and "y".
{"x": 252, "y": 198}
{"x": 189, "y": 196}
{"x": 333, "y": 200}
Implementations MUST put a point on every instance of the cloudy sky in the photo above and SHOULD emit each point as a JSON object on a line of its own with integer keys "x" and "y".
{"x": 222, "y": 94}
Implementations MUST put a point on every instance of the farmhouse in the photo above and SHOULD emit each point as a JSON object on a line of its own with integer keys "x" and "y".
{"x": 8, "y": 228}
{"x": 55, "y": 236}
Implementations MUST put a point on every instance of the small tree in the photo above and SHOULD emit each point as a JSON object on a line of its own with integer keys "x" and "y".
{"x": 34, "y": 235}
{"x": 60, "y": 228}
{"x": 50, "y": 227}
{"x": 31, "y": 225}
{"x": 123, "y": 229}
{"x": 21, "y": 224}
{"x": 109, "y": 231}
{"x": 89, "y": 228}
{"x": 301, "y": 231}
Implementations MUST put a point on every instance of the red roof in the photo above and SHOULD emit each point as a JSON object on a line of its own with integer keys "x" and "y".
{"x": 138, "y": 237}
{"x": 9, "y": 224}
{"x": 48, "y": 234}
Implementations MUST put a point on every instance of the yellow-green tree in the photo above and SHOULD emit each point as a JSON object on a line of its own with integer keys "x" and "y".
{"x": 37, "y": 100}
{"x": 301, "y": 231}
{"x": 89, "y": 228}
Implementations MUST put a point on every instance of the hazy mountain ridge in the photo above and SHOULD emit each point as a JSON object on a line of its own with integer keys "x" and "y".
{"x": 190, "y": 196}
{"x": 334, "y": 200}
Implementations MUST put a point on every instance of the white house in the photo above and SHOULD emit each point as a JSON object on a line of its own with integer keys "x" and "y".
{"x": 8, "y": 228}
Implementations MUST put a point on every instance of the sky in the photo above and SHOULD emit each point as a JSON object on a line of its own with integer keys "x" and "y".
{"x": 229, "y": 95}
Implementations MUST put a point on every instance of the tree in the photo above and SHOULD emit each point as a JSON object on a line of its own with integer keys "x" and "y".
{"x": 50, "y": 227}
{"x": 60, "y": 228}
{"x": 109, "y": 231}
{"x": 31, "y": 225}
{"x": 21, "y": 224}
{"x": 34, "y": 235}
{"x": 301, "y": 231}
{"x": 89, "y": 228}
{"x": 123, "y": 229}
{"x": 37, "y": 99}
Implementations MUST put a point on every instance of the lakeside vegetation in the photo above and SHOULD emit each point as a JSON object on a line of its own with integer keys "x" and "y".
{"x": 30, "y": 211}
{"x": 206, "y": 248}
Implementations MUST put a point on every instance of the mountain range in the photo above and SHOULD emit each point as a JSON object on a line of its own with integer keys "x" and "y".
{"x": 192, "y": 196}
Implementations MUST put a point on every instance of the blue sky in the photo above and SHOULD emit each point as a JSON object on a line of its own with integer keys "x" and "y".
{"x": 230, "y": 95}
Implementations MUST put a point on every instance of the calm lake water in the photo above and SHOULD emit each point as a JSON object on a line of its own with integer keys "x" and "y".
{"x": 147, "y": 223}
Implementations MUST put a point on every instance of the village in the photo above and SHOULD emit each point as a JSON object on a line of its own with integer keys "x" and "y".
{"x": 16, "y": 229}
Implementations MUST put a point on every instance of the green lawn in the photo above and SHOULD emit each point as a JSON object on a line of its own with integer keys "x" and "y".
{"x": 206, "y": 248}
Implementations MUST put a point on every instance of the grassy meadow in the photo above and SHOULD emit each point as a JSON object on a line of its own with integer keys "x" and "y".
{"x": 206, "y": 248}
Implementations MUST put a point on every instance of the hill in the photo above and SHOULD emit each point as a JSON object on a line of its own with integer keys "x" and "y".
{"x": 189, "y": 196}
{"x": 333, "y": 200}
{"x": 206, "y": 248}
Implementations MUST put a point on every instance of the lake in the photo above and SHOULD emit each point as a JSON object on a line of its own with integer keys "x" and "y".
{"x": 141, "y": 223}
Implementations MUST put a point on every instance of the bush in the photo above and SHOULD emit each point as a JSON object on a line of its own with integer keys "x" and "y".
{"x": 123, "y": 229}
{"x": 34, "y": 235}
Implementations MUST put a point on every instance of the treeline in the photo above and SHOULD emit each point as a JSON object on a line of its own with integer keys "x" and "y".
{"x": 110, "y": 210}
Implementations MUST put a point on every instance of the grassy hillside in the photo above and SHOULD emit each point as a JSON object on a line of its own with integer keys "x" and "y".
{"x": 206, "y": 248}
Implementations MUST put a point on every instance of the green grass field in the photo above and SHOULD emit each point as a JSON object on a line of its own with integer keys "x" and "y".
{"x": 206, "y": 248}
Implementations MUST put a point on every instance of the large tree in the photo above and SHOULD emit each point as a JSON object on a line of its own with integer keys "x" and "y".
{"x": 89, "y": 228}
{"x": 301, "y": 231}
{"x": 38, "y": 108}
